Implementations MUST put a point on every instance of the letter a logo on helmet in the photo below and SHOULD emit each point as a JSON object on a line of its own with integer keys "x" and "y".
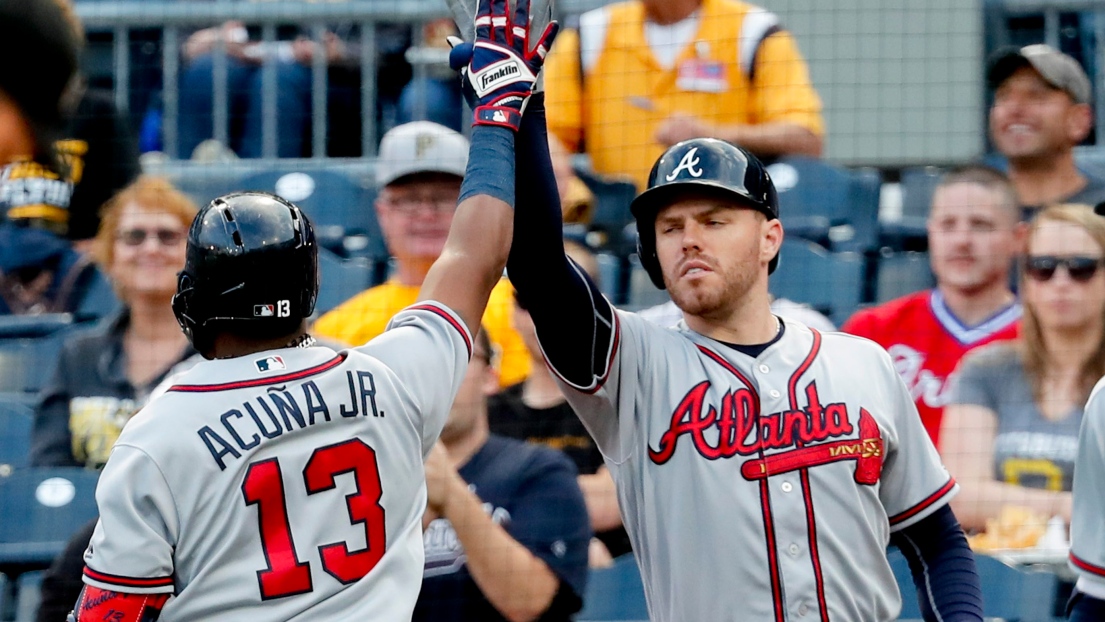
{"x": 689, "y": 163}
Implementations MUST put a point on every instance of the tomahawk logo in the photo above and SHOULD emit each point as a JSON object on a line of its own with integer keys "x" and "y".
{"x": 496, "y": 76}
{"x": 689, "y": 163}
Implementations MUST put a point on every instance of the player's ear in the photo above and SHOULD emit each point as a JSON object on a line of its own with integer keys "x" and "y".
{"x": 772, "y": 239}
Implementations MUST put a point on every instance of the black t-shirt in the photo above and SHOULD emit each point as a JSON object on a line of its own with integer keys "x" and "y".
{"x": 557, "y": 427}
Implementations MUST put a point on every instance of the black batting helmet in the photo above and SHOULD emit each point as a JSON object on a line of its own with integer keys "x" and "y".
{"x": 703, "y": 164}
{"x": 251, "y": 268}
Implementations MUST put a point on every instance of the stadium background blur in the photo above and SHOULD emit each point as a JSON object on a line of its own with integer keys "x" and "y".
{"x": 904, "y": 97}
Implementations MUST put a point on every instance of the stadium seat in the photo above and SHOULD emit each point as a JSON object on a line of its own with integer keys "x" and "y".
{"x": 16, "y": 422}
{"x": 40, "y": 509}
{"x": 99, "y": 298}
{"x": 28, "y": 595}
{"x": 832, "y": 206}
{"x": 204, "y": 185}
{"x": 615, "y": 593}
{"x": 909, "y": 232}
{"x": 830, "y": 282}
{"x": 340, "y": 279}
{"x": 341, "y": 209}
{"x": 611, "y": 213}
{"x": 6, "y": 588}
{"x": 901, "y": 273}
{"x": 642, "y": 293}
{"x": 29, "y": 346}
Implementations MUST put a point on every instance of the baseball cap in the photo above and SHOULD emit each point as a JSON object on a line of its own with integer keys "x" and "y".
{"x": 1056, "y": 68}
{"x": 420, "y": 147}
{"x": 40, "y": 53}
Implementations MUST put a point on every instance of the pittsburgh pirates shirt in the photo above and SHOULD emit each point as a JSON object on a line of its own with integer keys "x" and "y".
{"x": 761, "y": 488}
{"x": 285, "y": 485}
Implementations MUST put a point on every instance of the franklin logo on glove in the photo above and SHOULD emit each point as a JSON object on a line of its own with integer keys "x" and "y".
{"x": 498, "y": 76}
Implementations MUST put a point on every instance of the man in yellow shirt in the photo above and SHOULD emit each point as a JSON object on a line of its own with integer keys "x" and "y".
{"x": 419, "y": 171}
{"x": 639, "y": 76}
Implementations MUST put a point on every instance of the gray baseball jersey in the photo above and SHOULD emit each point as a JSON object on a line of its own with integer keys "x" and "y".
{"x": 286, "y": 485}
{"x": 766, "y": 488}
{"x": 1087, "y": 521}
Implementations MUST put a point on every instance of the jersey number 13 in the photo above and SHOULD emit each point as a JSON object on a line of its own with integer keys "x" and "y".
{"x": 286, "y": 575}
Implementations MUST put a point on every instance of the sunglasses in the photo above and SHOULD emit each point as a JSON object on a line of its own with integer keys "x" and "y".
{"x": 137, "y": 237}
{"x": 1043, "y": 267}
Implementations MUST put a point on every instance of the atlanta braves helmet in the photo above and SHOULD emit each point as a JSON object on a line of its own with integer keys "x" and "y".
{"x": 705, "y": 165}
{"x": 251, "y": 269}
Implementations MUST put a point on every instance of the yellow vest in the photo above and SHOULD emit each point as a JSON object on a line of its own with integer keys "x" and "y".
{"x": 739, "y": 69}
{"x": 365, "y": 316}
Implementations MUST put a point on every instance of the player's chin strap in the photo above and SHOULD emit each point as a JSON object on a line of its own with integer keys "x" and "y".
{"x": 95, "y": 604}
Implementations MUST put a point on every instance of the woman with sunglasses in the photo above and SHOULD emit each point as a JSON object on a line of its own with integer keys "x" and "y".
{"x": 103, "y": 376}
{"x": 1011, "y": 429}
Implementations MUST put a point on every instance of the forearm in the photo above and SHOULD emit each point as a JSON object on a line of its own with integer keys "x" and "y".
{"x": 943, "y": 568}
{"x": 979, "y": 500}
{"x": 569, "y": 313}
{"x": 773, "y": 139}
{"x": 601, "y": 498}
{"x": 517, "y": 583}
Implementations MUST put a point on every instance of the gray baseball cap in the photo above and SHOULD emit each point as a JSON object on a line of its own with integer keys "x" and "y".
{"x": 420, "y": 147}
{"x": 1056, "y": 68}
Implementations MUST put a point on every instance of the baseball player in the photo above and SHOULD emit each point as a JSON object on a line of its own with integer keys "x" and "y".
{"x": 1087, "y": 527}
{"x": 762, "y": 467}
{"x": 278, "y": 482}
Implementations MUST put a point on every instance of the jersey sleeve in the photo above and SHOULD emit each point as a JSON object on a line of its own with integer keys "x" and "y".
{"x": 427, "y": 347}
{"x": 561, "y": 538}
{"x": 1087, "y": 537}
{"x": 782, "y": 91}
{"x": 564, "y": 90}
{"x": 132, "y": 546}
{"x": 914, "y": 482}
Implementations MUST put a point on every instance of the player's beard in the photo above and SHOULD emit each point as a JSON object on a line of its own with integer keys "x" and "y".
{"x": 717, "y": 301}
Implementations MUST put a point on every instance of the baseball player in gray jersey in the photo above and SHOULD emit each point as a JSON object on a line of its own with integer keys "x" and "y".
{"x": 1087, "y": 521}
{"x": 762, "y": 466}
{"x": 276, "y": 482}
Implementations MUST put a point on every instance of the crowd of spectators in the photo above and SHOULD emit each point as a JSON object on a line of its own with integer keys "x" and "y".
{"x": 1000, "y": 356}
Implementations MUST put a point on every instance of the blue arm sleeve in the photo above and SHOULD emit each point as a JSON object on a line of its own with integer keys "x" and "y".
{"x": 570, "y": 314}
{"x": 943, "y": 568}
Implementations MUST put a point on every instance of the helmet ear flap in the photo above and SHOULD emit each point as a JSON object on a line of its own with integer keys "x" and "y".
{"x": 646, "y": 252}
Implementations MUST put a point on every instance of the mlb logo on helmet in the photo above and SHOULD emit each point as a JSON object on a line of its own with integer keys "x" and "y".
{"x": 271, "y": 363}
{"x": 264, "y": 310}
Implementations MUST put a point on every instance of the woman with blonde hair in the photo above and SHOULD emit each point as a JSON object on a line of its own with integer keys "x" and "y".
{"x": 1010, "y": 433}
{"x": 103, "y": 376}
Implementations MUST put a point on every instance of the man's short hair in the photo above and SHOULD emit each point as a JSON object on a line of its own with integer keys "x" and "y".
{"x": 989, "y": 178}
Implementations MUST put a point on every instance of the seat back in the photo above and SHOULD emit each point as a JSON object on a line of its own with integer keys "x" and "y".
{"x": 16, "y": 423}
{"x": 28, "y": 595}
{"x": 29, "y": 347}
{"x": 340, "y": 279}
{"x": 615, "y": 593}
{"x": 830, "y": 282}
{"x": 40, "y": 509}
{"x": 902, "y": 273}
{"x": 611, "y": 213}
{"x": 833, "y": 206}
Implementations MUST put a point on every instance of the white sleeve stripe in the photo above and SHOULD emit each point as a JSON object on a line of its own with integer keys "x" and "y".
{"x": 597, "y": 380}
{"x": 592, "y": 37}
{"x": 928, "y": 579}
{"x": 757, "y": 24}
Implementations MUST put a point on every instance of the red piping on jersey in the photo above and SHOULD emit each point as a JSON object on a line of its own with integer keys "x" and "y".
{"x": 451, "y": 320}
{"x": 804, "y": 476}
{"x": 1082, "y": 564}
{"x": 765, "y": 502}
{"x": 261, "y": 382}
{"x": 920, "y": 507}
{"x": 103, "y": 577}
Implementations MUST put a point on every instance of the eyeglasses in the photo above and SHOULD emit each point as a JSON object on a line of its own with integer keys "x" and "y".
{"x": 439, "y": 204}
{"x": 1043, "y": 267}
{"x": 137, "y": 237}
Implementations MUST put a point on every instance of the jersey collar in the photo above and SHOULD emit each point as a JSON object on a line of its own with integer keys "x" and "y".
{"x": 968, "y": 335}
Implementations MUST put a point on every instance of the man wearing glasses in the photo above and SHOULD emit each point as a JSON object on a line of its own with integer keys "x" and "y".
{"x": 419, "y": 172}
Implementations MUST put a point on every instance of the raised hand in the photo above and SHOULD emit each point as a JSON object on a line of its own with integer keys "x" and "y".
{"x": 500, "y": 67}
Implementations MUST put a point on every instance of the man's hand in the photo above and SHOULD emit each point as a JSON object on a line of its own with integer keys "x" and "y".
{"x": 500, "y": 68}
{"x": 441, "y": 480}
{"x": 680, "y": 126}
